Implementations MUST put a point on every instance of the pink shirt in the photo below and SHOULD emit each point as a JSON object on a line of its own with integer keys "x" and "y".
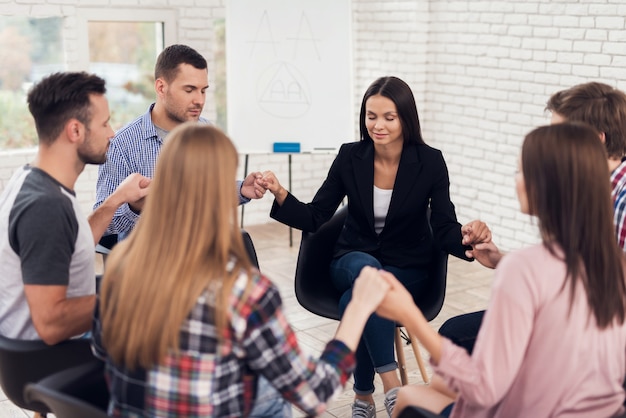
{"x": 533, "y": 357}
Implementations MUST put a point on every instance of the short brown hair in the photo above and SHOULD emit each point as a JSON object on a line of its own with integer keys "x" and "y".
{"x": 60, "y": 97}
{"x": 171, "y": 57}
{"x": 599, "y": 105}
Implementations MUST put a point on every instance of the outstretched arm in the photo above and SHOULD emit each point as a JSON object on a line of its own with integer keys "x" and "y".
{"x": 398, "y": 305}
{"x": 307, "y": 382}
{"x": 369, "y": 291}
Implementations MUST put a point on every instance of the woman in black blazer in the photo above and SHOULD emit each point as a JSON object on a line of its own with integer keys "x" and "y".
{"x": 390, "y": 178}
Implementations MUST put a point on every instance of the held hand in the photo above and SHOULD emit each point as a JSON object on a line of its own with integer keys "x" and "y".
{"x": 270, "y": 182}
{"x": 486, "y": 254}
{"x": 398, "y": 303}
{"x": 475, "y": 232}
{"x": 252, "y": 186}
{"x": 369, "y": 288}
{"x": 132, "y": 190}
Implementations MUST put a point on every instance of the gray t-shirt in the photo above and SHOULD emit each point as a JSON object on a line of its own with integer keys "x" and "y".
{"x": 161, "y": 133}
{"x": 44, "y": 240}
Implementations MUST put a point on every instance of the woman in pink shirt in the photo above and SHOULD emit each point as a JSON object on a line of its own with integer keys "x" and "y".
{"x": 553, "y": 339}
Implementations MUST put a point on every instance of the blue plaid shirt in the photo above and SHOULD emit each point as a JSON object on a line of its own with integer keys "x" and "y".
{"x": 134, "y": 149}
{"x": 618, "y": 184}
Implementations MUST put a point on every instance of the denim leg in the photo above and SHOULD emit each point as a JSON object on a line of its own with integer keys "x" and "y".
{"x": 345, "y": 269}
{"x": 463, "y": 329}
{"x": 375, "y": 352}
{"x": 269, "y": 403}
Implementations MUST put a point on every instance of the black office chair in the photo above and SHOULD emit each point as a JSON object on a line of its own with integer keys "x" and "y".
{"x": 107, "y": 242}
{"x": 247, "y": 242}
{"x": 80, "y": 391}
{"x": 23, "y": 362}
{"x": 105, "y": 245}
{"x": 316, "y": 293}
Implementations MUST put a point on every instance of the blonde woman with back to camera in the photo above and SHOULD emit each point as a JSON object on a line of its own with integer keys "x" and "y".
{"x": 187, "y": 326}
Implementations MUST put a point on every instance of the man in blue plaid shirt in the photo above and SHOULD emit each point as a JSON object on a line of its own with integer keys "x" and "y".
{"x": 181, "y": 81}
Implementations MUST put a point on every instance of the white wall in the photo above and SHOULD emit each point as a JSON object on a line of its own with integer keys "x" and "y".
{"x": 481, "y": 71}
{"x": 492, "y": 67}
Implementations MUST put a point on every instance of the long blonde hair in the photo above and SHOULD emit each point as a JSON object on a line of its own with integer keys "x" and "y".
{"x": 186, "y": 236}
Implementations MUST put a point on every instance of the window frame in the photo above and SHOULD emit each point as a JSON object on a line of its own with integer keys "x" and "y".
{"x": 84, "y": 15}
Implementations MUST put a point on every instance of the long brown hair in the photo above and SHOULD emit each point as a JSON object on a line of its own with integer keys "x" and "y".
{"x": 567, "y": 183}
{"x": 186, "y": 236}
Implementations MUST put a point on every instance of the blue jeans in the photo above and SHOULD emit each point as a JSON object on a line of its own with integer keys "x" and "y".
{"x": 447, "y": 410}
{"x": 375, "y": 353}
{"x": 269, "y": 403}
{"x": 463, "y": 329}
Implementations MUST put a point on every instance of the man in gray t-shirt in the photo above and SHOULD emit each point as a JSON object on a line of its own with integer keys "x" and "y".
{"x": 47, "y": 276}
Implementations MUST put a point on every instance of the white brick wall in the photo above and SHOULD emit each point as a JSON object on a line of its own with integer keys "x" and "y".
{"x": 481, "y": 72}
{"x": 493, "y": 66}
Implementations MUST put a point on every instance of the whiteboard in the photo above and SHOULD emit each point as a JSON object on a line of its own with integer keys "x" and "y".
{"x": 289, "y": 73}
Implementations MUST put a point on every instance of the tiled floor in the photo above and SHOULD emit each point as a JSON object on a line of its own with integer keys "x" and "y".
{"x": 467, "y": 290}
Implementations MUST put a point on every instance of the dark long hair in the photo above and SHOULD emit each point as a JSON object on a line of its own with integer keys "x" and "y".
{"x": 401, "y": 95}
{"x": 567, "y": 183}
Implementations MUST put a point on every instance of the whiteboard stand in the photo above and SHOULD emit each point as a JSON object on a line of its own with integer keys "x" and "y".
{"x": 289, "y": 178}
{"x": 245, "y": 173}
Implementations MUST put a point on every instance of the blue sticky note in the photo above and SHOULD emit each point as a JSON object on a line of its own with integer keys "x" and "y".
{"x": 286, "y": 147}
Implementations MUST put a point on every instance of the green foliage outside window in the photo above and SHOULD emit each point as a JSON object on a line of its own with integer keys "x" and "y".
{"x": 29, "y": 48}
{"x": 123, "y": 53}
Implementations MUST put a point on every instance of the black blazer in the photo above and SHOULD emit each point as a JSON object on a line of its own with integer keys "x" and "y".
{"x": 422, "y": 179}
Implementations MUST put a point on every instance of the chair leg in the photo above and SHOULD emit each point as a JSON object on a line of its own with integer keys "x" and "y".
{"x": 418, "y": 357}
{"x": 400, "y": 354}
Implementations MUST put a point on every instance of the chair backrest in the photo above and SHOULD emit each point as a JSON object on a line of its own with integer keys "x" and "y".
{"x": 430, "y": 301}
{"x": 80, "y": 391}
{"x": 315, "y": 291}
{"x": 247, "y": 242}
{"x": 23, "y": 362}
{"x": 106, "y": 243}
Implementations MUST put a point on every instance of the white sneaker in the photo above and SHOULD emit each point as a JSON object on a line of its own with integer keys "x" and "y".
{"x": 362, "y": 409}
{"x": 390, "y": 400}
